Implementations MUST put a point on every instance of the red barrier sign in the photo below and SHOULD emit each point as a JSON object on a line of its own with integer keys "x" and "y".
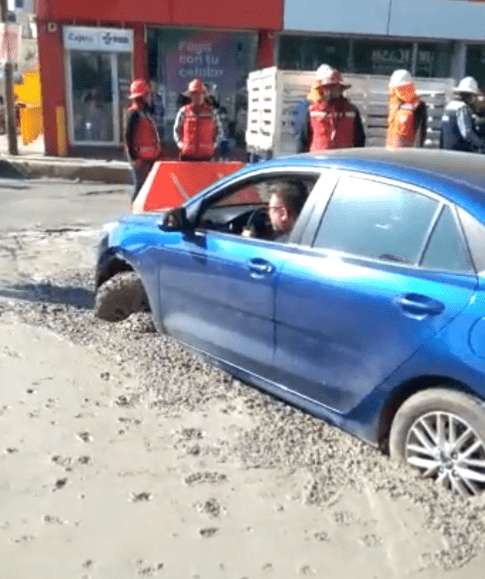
{"x": 171, "y": 183}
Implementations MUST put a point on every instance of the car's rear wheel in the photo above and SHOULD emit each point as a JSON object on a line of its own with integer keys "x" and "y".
{"x": 120, "y": 296}
{"x": 441, "y": 432}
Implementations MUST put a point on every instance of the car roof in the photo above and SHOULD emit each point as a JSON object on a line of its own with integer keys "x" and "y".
{"x": 458, "y": 176}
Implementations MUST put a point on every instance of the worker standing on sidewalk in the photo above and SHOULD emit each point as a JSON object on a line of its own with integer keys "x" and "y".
{"x": 197, "y": 129}
{"x": 141, "y": 136}
{"x": 406, "y": 123}
{"x": 331, "y": 120}
{"x": 459, "y": 132}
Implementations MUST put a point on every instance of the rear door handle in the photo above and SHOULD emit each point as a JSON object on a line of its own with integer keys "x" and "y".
{"x": 260, "y": 266}
{"x": 419, "y": 305}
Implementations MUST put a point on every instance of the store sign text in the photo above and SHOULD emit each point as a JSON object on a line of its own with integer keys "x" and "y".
{"x": 195, "y": 59}
{"x": 108, "y": 39}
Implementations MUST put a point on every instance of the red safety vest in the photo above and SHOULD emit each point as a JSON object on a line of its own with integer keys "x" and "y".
{"x": 145, "y": 138}
{"x": 198, "y": 132}
{"x": 332, "y": 124}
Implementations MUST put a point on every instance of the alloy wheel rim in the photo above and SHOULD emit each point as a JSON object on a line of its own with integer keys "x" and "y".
{"x": 445, "y": 447}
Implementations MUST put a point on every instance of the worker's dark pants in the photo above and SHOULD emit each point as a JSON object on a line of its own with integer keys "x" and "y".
{"x": 139, "y": 176}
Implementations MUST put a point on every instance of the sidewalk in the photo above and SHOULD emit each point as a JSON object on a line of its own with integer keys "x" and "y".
{"x": 31, "y": 162}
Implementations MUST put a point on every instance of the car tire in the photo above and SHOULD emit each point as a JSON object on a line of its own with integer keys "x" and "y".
{"x": 441, "y": 432}
{"x": 119, "y": 297}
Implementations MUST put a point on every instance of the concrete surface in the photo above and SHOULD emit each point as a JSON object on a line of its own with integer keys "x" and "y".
{"x": 34, "y": 165}
{"x": 32, "y": 162}
{"x": 123, "y": 456}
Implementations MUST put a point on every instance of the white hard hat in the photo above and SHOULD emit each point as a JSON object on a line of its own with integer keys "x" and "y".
{"x": 467, "y": 84}
{"x": 400, "y": 77}
{"x": 323, "y": 71}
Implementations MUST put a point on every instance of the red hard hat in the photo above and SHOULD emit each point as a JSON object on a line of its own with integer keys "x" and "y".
{"x": 196, "y": 86}
{"x": 139, "y": 88}
{"x": 332, "y": 77}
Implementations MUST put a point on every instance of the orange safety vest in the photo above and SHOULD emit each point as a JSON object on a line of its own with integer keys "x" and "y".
{"x": 198, "y": 132}
{"x": 401, "y": 129}
{"x": 145, "y": 138}
{"x": 401, "y": 122}
{"x": 332, "y": 124}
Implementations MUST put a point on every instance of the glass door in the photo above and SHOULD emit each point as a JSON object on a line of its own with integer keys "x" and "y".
{"x": 124, "y": 78}
{"x": 93, "y": 98}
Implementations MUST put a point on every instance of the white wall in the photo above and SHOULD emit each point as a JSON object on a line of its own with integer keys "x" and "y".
{"x": 451, "y": 19}
{"x": 358, "y": 16}
{"x": 438, "y": 19}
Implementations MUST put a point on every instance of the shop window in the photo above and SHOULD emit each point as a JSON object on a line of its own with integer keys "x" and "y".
{"x": 371, "y": 57}
{"x": 308, "y": 53}
{"x": 434, "y": 59}
{"x": 222, "y": 60}
{"x": 124, "y": 66}
{"x": 290, "y": 53}
{"x": 475, "y": 63}
{"x": 92, "y": 97}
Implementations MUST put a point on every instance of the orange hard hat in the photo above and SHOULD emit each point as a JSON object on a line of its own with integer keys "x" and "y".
{"x": 196, "y": 86}
{"x": 139, "y": 88}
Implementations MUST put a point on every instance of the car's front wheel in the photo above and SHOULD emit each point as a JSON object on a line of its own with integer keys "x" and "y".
{"x": 441, "y": 432}
{"x": 120, "y": 296}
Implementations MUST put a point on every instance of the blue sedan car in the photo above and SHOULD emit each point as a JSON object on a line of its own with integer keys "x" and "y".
{"x": 369, "y": 312}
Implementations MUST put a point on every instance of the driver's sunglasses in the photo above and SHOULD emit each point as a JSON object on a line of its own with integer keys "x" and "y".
{"x": 276, "y": 208}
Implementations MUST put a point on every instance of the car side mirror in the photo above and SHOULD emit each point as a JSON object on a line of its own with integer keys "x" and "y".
{"x": 175, "y": 220}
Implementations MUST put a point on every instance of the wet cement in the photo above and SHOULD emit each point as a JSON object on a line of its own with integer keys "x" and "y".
{"x": 124, "y": 455}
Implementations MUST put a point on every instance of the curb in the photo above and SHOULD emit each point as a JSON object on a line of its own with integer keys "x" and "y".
{"x": 116, "y": 173}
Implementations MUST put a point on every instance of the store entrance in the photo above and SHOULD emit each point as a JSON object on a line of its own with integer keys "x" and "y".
{"x": 98, "y": 88}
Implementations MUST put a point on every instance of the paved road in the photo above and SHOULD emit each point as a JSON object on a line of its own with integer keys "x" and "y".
{"x": 49, "y": 204}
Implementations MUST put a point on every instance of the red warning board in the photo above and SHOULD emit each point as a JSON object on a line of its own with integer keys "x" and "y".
{"x": 171, "y": 183}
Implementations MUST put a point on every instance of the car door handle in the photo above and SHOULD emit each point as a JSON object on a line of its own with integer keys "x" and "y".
{"x": 260, "y": 266}
{"x": 419, "y": 305}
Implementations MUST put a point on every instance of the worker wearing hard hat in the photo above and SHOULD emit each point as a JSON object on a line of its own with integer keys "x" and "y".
{"x": 141, "y": 137}
{"x": 197, "y": 129}
{"x": 406, "y": 123}
{"x": 457, "y": 128}
{"x": 332, "y": 121}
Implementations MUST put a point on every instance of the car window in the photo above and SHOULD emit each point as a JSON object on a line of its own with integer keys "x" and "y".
{"x": 244, "y": 210}
{"x": 245, "y": 195}
{"x": 475, "y": 234}
{"x": 445, "y": 251}
{"x": 376, "y": 220}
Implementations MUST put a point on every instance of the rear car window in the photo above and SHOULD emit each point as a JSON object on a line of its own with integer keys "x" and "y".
{"x": 376, "y": 220}
{"x": 475, "y": 234}
{"x": 446, "y": 251}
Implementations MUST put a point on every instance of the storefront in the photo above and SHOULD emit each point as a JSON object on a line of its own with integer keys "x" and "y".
{"x": 222, "y": 60}
{"x": 366, "y": 55}
{"x": 99, "y": 64}
{"x": 430, "y": 38}
{"x": 88, "y": 60}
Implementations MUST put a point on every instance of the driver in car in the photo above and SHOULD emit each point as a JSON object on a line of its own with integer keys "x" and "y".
{"x": 284, "y": 207}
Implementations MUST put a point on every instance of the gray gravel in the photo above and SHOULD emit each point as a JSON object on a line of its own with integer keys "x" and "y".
{"x": 175, "y": 381}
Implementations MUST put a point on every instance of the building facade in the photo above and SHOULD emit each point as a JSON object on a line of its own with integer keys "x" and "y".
{"x": 430, "y": 38}
{"x": 89, "y": 52}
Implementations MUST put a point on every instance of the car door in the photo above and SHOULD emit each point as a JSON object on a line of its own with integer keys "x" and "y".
{"x": 217, "y": 287}
{"x": 388, "y": 269}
